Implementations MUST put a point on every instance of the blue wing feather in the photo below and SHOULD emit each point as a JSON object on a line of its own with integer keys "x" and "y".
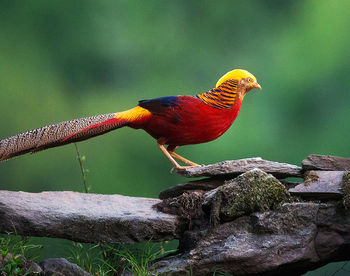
{"x": 160, "y": 105}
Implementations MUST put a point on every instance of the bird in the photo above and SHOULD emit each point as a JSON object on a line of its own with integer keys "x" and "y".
{"x": 173, "y": 121}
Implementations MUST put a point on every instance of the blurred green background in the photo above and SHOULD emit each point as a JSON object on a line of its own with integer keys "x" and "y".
{"x": 61, "y": 60}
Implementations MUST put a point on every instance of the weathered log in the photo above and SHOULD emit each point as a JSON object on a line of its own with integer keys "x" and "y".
{"x": 86, "y": 217}
{"x": 237, "y": 167}
{"x": 326, "y": 163}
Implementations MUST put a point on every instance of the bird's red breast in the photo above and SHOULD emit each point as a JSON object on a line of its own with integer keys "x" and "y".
{"x": 184, "y": 120}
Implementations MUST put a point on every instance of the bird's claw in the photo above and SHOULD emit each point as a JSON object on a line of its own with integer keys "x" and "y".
{"x": 186, "y": 167}
{"x": 183, "y": 168}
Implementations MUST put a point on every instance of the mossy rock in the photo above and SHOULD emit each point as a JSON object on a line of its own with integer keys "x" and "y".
{"x": 250, "y": 192}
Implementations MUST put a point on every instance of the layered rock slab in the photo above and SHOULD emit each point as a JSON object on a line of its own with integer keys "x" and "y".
{"x": 237, "y": 167}
{"x": 289, "y": 241}
{"x": 86, "y": 217}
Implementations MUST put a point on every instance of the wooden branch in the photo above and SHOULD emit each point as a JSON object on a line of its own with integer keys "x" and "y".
{"x": 86, "y": 217}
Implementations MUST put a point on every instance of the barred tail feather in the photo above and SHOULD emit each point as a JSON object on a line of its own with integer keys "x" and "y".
{"x": 59, "y": 134}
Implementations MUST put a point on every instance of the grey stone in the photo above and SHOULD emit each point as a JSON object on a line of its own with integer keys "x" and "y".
{"x": 237, "y": 167}
{"x": 60, "y": 266}
{"x": 320, "y": 185}
{"x": 288, "y": 241}
{"x": 326, "y": 163}
{"x": 252, "y": 191}
{"x": 34, "y": 268}
{"x": 86, "y": 217}
{"x": 201, "y": 184}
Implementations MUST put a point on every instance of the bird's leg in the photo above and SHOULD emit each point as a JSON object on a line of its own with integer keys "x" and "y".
{"x": 172, "y": 160}
{"x": 171, "y": 150}
{"x": 167, "y": 154}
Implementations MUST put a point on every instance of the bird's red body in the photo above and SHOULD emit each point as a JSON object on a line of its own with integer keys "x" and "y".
{"x": 187, "y": 121}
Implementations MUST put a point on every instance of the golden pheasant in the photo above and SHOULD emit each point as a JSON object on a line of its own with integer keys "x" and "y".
{"x": 174, "y": 121}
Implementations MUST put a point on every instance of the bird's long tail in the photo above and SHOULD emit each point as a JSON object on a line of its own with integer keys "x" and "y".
{"x": 59, "y": 134}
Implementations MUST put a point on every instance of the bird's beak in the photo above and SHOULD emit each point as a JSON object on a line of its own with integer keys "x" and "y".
{"x": 256, "y": 85}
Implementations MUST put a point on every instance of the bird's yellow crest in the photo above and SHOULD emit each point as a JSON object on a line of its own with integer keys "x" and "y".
{"x": 235, "y": 74}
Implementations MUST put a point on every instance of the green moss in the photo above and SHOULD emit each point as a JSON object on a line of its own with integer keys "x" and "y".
{"x": 346, "y": 190}
{"x": 250, "y": 192}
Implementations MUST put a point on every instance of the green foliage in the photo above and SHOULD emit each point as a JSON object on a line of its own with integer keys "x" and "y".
{"x": 138, "y": 262}
{"x": 19, "y": 245}
{"x": 106, "y": 259}
{"x": 82, "y": 256}
{"x": 81, "y": 160}
{"x": 12, "y": 250}
{"x": 12, "y": 265}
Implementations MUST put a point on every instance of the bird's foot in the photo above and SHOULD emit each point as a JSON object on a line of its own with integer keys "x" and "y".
{"x": 187, "y": 167}
{"x": 182, "y": 168}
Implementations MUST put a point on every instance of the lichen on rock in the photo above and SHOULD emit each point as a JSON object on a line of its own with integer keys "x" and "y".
{"x": 252, "y": 191}
{"x": 187, "y": 207}
{"x": 310, "y": 176}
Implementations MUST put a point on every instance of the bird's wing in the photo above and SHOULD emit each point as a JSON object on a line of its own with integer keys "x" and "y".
{"x": 161, "y": 106}
{"x": 166, "y": 107}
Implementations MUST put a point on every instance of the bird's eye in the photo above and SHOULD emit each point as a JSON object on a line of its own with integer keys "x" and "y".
{"x": 249, "y": 79}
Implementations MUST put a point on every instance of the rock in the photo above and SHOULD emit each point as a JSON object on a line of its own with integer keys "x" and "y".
{"x": 188, "y": 207}
{"x": 345, "y": 185}
{"x": 253, "y": 229}
{"x": 252, "y": 191}
{"x": 320, "y": 185}
{"x": 288, "y": 241}
{"x": 201, "y": 184}
{"x": 86, "y": 217}
{"x": 326, "y": 163}
{"x": 34, "y": 268}
{"x": 60, "y": 266}
{"x": 233, "y": 168}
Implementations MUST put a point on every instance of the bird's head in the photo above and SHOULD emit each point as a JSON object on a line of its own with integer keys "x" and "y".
{"x": 230, "y": 87}
{"x": 245, "y": 80}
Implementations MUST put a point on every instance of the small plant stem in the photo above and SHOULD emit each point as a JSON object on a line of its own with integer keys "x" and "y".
{"x": 81, "y": 168}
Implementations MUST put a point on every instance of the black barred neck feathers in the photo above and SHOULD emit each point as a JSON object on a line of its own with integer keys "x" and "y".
{"x": 223, "y": 96}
